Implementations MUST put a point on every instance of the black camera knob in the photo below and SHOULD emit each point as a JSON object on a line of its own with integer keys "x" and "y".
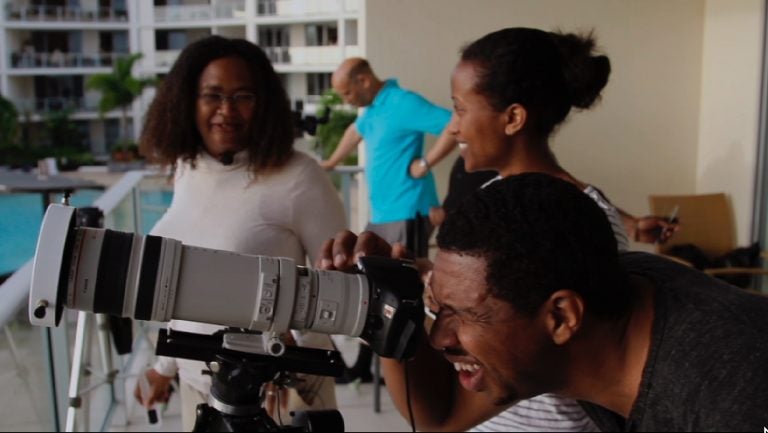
{"x": 40, "y": 308}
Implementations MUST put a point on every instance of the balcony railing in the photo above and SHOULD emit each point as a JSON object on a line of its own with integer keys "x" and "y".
{"x": 310, "y": 56}
{"x": 52, "y": 104}
{"x": 166, "y": 58}
{"x": 330, "y": 55}
{"x": 234, "y": 9}
{"x": 22, "y": 60}
{"x": 63, "y": 13}
{"x": 305, "y": 7}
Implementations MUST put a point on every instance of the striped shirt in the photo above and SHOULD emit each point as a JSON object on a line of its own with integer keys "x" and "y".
{"x": 545, "y": 412}
{"x": 613, "y": 216}
{"x": 549, "y": 412}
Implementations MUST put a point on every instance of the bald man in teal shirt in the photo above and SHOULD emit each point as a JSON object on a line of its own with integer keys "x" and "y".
{"x": 393, "y": 124}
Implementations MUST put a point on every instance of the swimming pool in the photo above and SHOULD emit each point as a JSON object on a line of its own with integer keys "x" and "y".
{"x": 22, "y": 214}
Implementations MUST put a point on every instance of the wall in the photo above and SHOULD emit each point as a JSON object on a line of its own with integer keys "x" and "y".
{"x": 730, "y": 104}
{"x": 643, "y": 138}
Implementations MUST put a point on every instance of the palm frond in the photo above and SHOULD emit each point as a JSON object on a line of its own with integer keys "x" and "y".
{"x": 119, "y": 88}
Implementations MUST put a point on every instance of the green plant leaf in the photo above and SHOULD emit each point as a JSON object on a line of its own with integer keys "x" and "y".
{"x": 119, "y": 88}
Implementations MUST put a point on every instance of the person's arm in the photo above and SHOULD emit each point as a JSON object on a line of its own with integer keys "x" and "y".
{"x": 438, "y": 401}
{"x": 347, "y": 144}
{"x": 648, "y": 229}
{"x": 159, "y": 379}
{"x": 443, "y": 146}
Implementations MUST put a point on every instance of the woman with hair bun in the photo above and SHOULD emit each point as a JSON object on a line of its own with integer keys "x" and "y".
{"x": 511, "y": 89}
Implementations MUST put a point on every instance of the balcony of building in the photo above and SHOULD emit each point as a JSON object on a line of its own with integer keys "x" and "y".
{"x": 59, "y": 51}
{"x": 58, "y": 62}
{"x": 49, "y": 14}
{"x": 185, "y": 13}
{"x": 304, "y": 8}
{"x": 43, "y": 105}
{"x": 285, "y": 59}
{"x": 301, "y": 59}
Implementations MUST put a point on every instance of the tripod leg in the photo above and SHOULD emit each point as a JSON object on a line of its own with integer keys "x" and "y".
{"x": 105, "y": 350}
{"x": 376, "y": 384}
{"x": 76, "y": 370}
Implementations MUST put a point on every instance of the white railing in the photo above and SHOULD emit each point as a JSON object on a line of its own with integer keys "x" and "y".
{"x": 327, "y": 55}
{"x": 166, "y": 58}
{"x": 222, "y": 10}
{"x": 15, "y": 290}
{"x": 53, "y": 104}
{"x": 305, "y": 7}
{"x": 22, "y": 60}
{"x": 126, "y": 192}
{"x": 14, "y": 293}
{"x": 63, "y": 13}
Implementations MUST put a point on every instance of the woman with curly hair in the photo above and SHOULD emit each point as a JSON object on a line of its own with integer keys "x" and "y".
{"x": 221, "y": 119}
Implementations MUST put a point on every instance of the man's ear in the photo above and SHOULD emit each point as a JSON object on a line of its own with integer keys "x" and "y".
{"x": 363, "y": 81}
{"x": 564, "y": 315}
{"x": 515, "y": 117}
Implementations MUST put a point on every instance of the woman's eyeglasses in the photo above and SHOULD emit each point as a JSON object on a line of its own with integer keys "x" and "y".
{"x": 241, "y": 100}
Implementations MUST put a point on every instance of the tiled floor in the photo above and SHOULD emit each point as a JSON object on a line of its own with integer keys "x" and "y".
{"x": 24, "y": 399}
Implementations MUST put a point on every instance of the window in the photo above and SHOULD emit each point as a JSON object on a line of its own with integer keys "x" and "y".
{"x": 318, "y": 35}
{"x": 318, "y": 83}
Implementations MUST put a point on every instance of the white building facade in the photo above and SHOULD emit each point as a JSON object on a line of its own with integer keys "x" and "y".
{"x": 49, "y": 48}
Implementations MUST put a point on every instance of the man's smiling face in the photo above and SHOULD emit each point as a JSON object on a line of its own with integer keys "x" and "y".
{"x": 495, "y": 349}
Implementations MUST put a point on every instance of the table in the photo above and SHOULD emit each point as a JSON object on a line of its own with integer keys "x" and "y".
{"x": 17, "y": 181}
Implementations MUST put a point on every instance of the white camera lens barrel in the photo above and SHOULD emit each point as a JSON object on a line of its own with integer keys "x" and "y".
{"x": 100, "y": 260}
{"x": 159, "y": 279}
{"x": 342, "y": 303}
{"x": 122, "y": 274}
{"x": 156, "y": 287}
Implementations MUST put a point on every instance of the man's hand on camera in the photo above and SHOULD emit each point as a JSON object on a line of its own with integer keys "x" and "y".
{"x": 341, "y": 252}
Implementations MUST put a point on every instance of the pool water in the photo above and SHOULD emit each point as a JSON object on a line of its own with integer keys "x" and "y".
{"x": 22, "y": 214}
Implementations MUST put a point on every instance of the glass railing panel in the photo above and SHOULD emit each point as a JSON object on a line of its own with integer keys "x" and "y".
{"x": 234, "y": 9}
{"x": 136, "y": 202}
{"x": 24, "y": 380}
{"x": 63, "y": 13}
{"x": 299, "y": 7}
{"x": 22, "y": 60}
{"x": 24, "y": 391}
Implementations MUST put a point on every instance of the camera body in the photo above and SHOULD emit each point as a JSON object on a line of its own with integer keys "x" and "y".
{"x": 159, "y": 279}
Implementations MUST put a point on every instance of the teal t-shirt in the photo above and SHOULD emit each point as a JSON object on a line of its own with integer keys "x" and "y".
{"x": 393, "y": 128}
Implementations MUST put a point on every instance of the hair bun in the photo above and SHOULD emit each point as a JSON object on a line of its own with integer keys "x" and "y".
{"x": 586, "y": 73}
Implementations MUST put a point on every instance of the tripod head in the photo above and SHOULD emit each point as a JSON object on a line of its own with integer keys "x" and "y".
{"x": 240, "y": 365}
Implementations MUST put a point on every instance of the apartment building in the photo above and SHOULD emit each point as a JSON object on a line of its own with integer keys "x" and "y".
{"x": 49, "y": 48}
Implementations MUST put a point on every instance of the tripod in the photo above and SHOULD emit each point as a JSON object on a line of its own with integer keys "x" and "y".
{"x": 237, "y": 379}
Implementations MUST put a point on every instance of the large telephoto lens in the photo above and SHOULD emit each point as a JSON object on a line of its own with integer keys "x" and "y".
{"x": 158, "y": 279}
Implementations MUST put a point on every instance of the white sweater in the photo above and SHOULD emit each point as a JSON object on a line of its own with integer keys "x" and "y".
{"x": 286, "y": 213}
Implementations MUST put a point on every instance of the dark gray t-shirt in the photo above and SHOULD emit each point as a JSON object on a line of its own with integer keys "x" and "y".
{"x": 707, "y": 367}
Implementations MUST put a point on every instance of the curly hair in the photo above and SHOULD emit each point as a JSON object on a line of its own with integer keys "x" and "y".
{"x": 170, "y": 132}
{"x": 545, "y": 72}
{"x": 538, "y": 234}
